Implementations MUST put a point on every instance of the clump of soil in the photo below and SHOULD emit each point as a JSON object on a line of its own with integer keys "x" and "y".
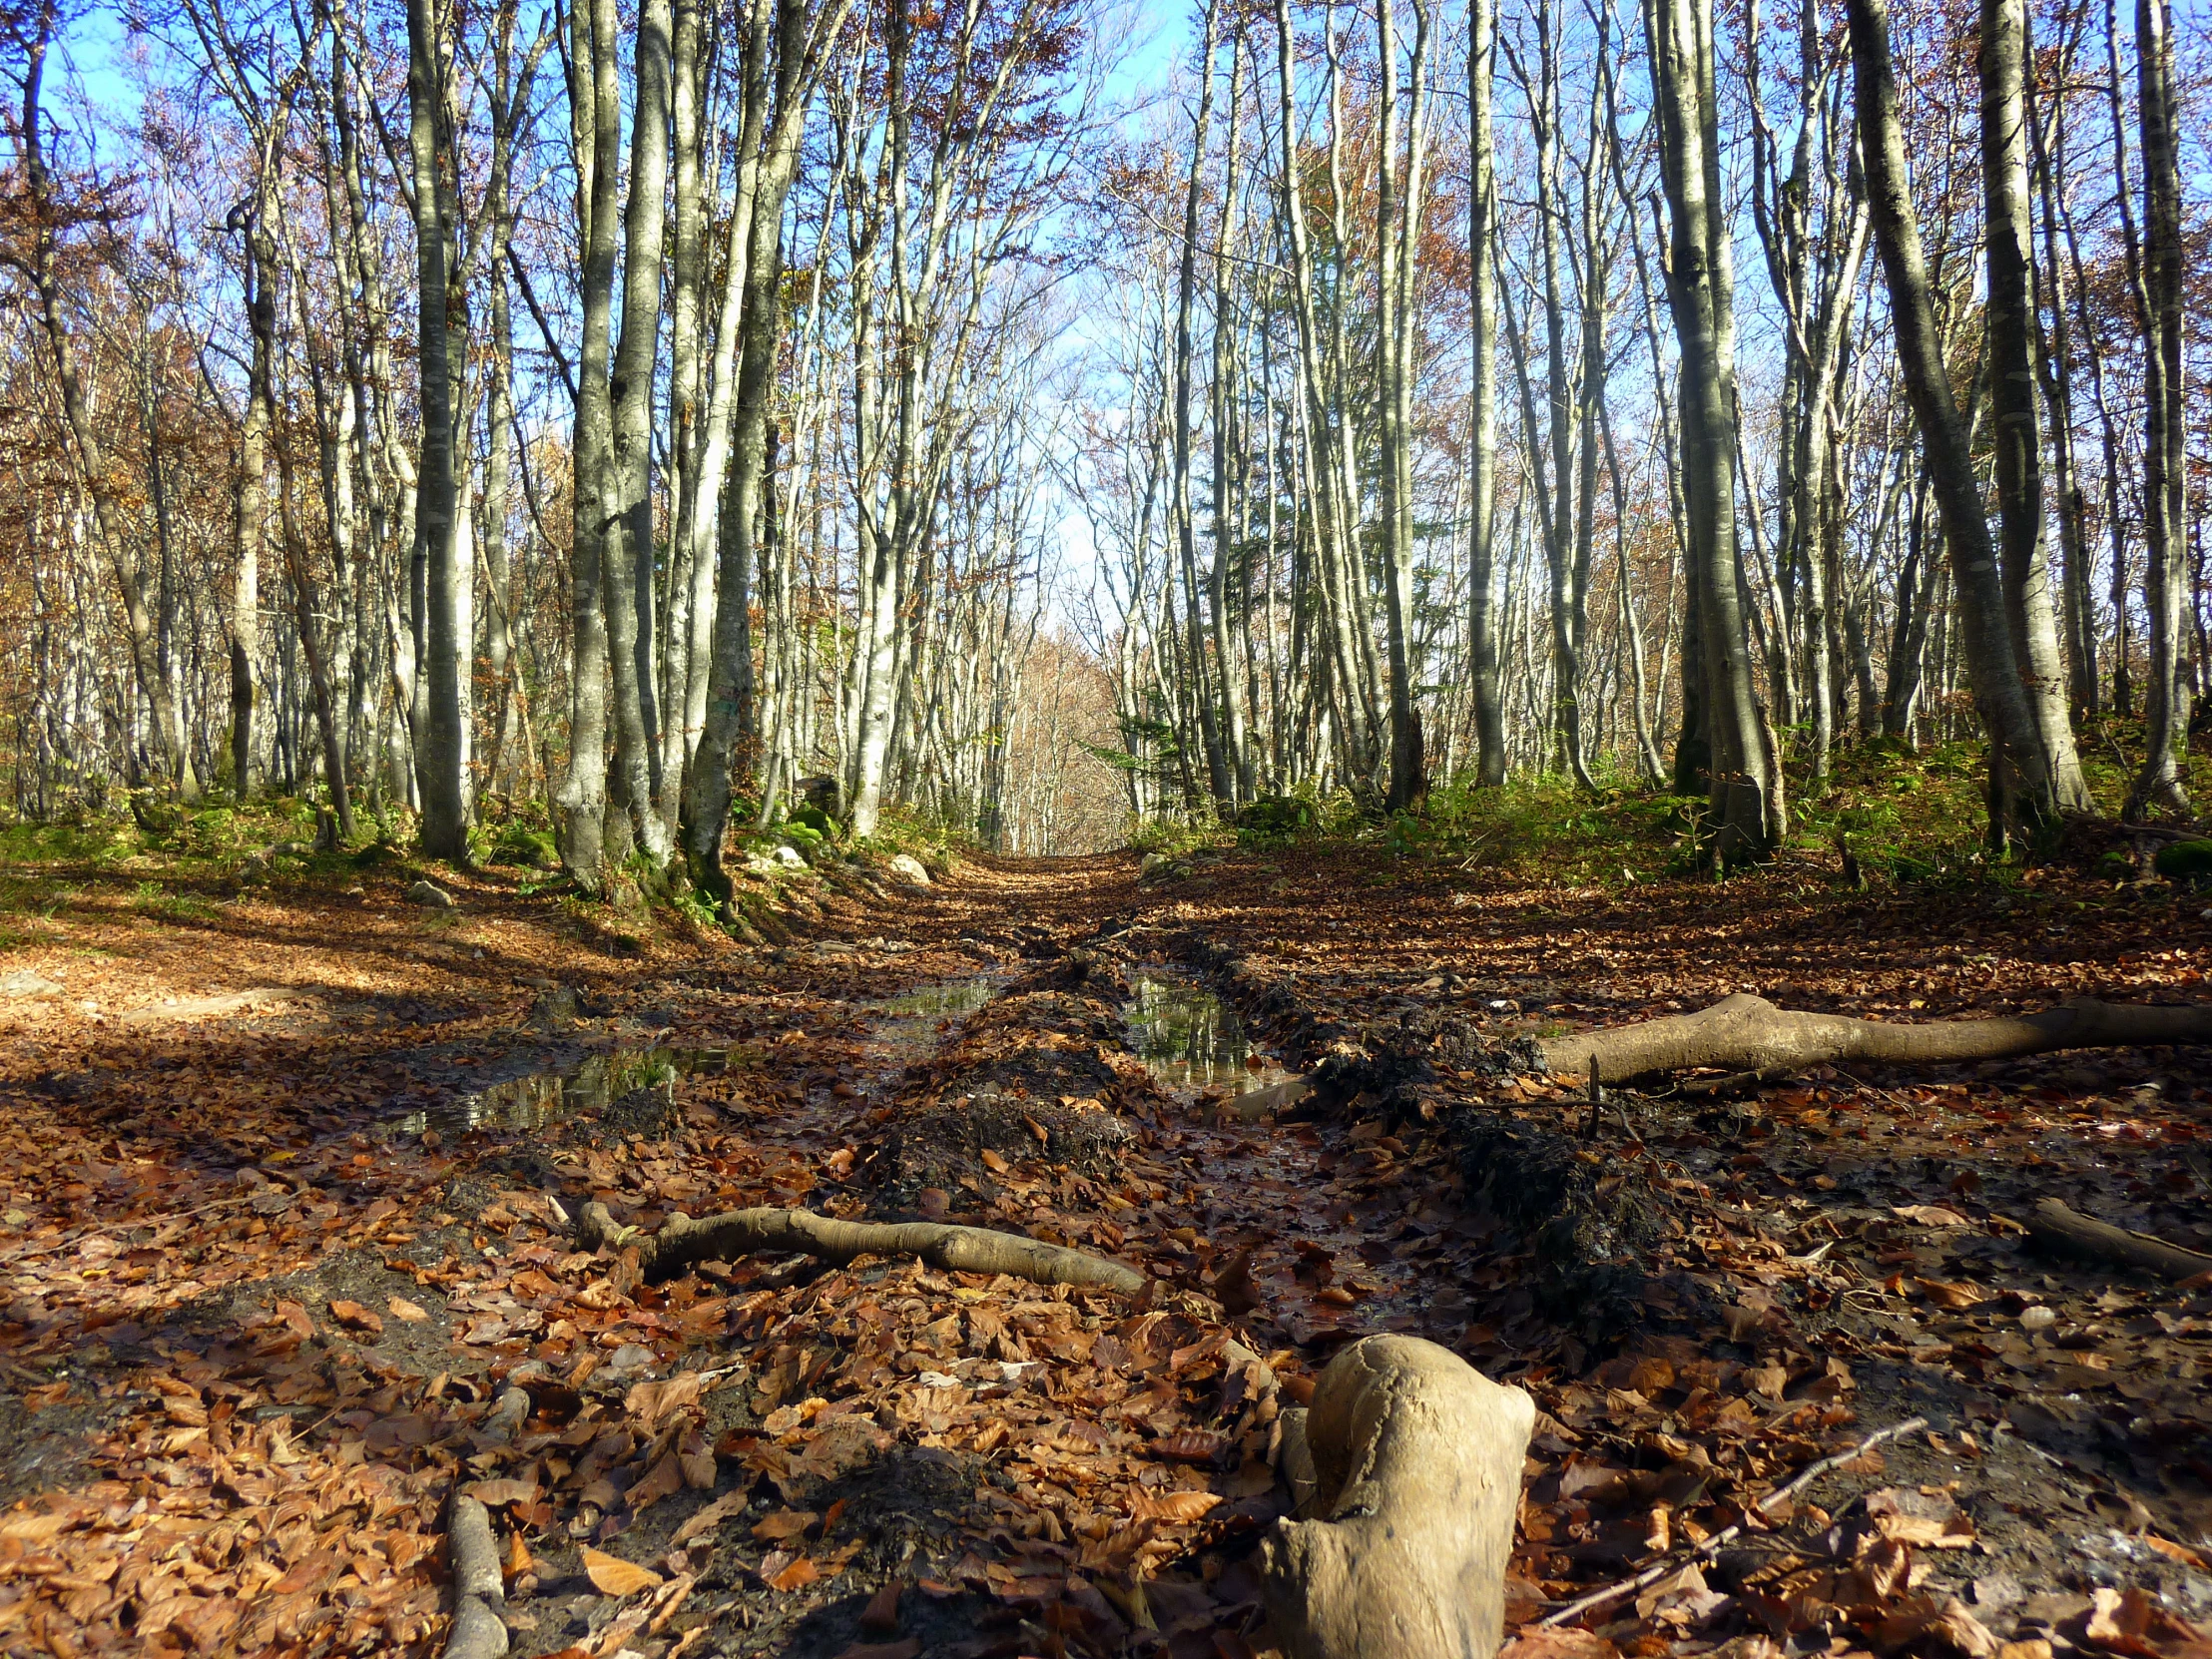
{"x": 1036, "y": 1076}
{"x": 945, "y": 1148}
{"x": 1587, "y": 1232}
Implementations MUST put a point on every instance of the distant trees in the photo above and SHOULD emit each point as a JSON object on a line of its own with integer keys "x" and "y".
{"x": 785, "y": 391}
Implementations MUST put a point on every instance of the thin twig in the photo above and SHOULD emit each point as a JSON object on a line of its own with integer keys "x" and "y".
{"x": 1728, "y": 1534}
{"x": 52, "y": 1246}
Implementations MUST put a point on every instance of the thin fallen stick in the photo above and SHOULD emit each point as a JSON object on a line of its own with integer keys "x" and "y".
{"x": 24, "y": 1253}
{"x": 682, "y": 1241}
{"x": 1728, "y": 1534}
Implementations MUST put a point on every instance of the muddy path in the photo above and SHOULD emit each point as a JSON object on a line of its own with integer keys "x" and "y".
{"x": 280, "y": 1293}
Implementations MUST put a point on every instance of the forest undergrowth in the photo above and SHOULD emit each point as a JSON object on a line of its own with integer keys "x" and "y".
{"x": 295, "y": 1160}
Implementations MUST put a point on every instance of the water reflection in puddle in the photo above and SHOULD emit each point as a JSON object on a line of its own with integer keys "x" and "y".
{"x": 1191, "y": 1040}
{"x": 592, "y": 1082}
{"x": 586, "y": 1085}
{"x": 946, "y": 997}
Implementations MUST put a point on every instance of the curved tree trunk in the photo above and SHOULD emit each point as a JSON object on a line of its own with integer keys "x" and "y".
{"x": 682, "y": 1243}
{"x": 1993, "y": 666}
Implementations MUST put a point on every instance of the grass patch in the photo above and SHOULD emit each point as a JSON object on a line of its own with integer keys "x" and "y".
{"x": 1544, "y": 828}
{"x": 151, "y": 898}
{"x": 1903, "y": 816}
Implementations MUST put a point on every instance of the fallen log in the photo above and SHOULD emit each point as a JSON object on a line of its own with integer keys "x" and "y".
{"x": 1407, "y": 1472}
{"x": 2054, "y": 1223}
{"x": 1749, "y": 1033}
{"x": 682, "y": 1243}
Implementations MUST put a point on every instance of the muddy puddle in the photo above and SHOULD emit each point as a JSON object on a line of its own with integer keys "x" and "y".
{"x": 1191, "y": 1040}
{"x": 902, "y": 1027}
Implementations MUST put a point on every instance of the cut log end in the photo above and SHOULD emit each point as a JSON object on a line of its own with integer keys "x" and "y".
{"x": 1409, "y": 1465}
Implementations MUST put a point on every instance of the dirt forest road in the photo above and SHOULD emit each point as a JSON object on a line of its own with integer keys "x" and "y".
{"x": 293, "y": 1177}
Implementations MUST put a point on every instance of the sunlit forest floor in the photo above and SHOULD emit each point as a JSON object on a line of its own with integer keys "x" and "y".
{"x": 291, "y": 1157}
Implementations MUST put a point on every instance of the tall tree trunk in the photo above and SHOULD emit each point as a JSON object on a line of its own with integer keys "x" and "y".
{"x": 1398, "y": 241}
{"x": 438, "y": 759}
{"x": 1186, "y": 529}
{"x": 626, "y": 573}
{"x": 731, "y": 724}
{"x": 595, "y": 126}
{"x": 1226, "y": 452}
{"x": 2055, "y": 364}
{"x": 2017, "y": 752}
{"x": 251, "y": 519}
{"x": 2165, "y": 431}
{"x": 2011, "y": 367}
{"x": 1741, "y": 786}
{"x": 1490, "y": 711}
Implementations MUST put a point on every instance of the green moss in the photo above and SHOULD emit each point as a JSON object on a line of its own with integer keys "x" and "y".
{"x": 2189, "y": 862}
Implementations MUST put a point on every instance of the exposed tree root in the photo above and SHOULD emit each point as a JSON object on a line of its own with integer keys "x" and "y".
{"x": 1749, "y": 1033}
{"x": 2054, "y": 1223}
{"x": 682, "y": 1243}
{"x": 1409, "y": 1471}
{"x": 478, "y": 1592}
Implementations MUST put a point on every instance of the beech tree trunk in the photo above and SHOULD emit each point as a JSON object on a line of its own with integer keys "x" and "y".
{"x": 595, "y": 127}
{"x": 2017, "y": 429}
{"x": 439, "y": 531}
{"x": 784, "y": 60}
{"x": 2165, "y": 431}
{"x": 1488, "y": 706}
{"x": 625, "y": 497}
{"x": 1700, "y": 293}
{"x": 2017, "y": 756}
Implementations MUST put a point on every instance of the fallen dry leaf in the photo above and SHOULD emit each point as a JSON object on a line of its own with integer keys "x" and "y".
{"x": 783, "y": 1524}
{"x": 493, "y": 1494}
{"x": 1534, "y": 1642}
{"x": 712, "y": 1515}
{"x": 611, "y": 1575}
{"x": 1957, "y": 1295}
{"x": 780, "y": 1572}
{"x": 1177, "y": 1506}
{"x": 2133, "y": 1622}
